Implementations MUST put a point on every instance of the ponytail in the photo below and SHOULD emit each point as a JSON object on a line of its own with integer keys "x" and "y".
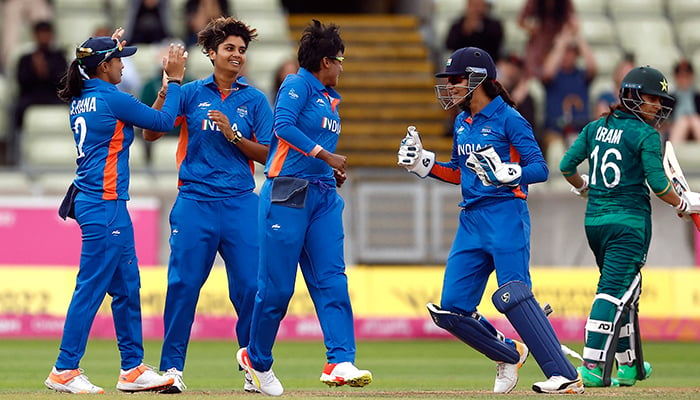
{"x": 494, "y": 88}
{"x": 71, "y": 83}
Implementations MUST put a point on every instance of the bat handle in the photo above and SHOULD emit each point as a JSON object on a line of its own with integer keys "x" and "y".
{"x": 696, "y": 219}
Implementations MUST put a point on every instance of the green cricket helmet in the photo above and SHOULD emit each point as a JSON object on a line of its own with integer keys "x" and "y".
{"x": 650, "y": 81}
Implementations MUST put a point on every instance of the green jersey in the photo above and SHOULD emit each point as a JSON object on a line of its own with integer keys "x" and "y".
{"x": 623, "y": 155}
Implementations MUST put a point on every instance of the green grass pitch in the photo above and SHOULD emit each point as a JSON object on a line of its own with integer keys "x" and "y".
{"x": 402, "y": 369}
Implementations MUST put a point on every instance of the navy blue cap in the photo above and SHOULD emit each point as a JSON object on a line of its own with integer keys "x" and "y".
{"x": 97, "y": 50}
{"x": 466, "y": 57}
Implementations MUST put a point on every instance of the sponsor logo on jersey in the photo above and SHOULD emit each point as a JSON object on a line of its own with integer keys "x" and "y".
{"x": 87, "y": 104}
{"x": 332, "y": 125}
{"x": 204, "y": 104}
{"x": 242, "y": 111}
{"x": 292, "y": 94}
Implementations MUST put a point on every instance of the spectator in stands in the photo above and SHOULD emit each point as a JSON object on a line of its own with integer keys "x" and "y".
{"x": 543, "y": 20}
{"x": 476, "y": 28}
{"x": 511, "y": 74}
{"x": 685, "y": 124}
{"x": 566, "y": 86}
{"x": 610, "y": 98}
{"x": 148, "y": 21}
{"x": 39, "y": 72}
{"x": 198, "y": 13}
{"x": 15, "y": 14}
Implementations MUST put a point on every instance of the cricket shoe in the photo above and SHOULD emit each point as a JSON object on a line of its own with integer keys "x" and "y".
{"x": 248, "y": 384}
{"x": 594, "y": 377}
{"x": 141, "y": 379}
{"x": 71, "y": 381}
{"x": 507, "y": 374}
{"x": 627, "y": 374}
{"x": 266, "y": 381}
{"x": 559, "y": 385}
{"x": 178, "y": 384}
{"x": 345, "y": 373}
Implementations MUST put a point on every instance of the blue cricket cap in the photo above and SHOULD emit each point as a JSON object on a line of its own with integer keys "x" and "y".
{"x": 97, "y": 50}
{"x": 466, "y": 57}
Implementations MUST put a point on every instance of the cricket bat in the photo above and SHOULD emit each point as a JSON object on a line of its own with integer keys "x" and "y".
{"x": 675, "y": 175}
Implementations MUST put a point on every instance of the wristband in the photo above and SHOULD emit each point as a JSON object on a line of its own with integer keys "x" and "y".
{"x": 162, "y": 93}
{"x": 173, "y": 80}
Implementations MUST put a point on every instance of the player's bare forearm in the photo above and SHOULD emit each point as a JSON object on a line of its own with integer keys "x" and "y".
{"x": 148, "y": 134}
{"x": 253, "y": 150}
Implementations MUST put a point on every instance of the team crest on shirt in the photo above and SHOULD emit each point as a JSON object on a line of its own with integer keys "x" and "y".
{"x": 292, "y": 94}
{"x": 486, "y": 130}
{"x": 242, "y": 111}
{"x": 320, "y": 102}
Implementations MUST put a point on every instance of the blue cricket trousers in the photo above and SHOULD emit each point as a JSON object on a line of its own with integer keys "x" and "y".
{"x": 494, "y": 236}
{"x": 108, "y": 265}
{"x": 313, "y": 238}
{"x": 200, "y": 229}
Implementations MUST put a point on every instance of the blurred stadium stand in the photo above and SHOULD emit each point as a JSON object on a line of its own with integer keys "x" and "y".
{"x": 387, "y": 84}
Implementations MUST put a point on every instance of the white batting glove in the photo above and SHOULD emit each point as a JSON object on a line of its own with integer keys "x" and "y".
{"x": 412, "y": 156}
{"x": 583, "y": 190}
{"x": 690, "y": 203}
{"x": 497, "y": 172}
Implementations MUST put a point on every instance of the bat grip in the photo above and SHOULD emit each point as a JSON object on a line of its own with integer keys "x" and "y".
{"x": 696, "y": 220}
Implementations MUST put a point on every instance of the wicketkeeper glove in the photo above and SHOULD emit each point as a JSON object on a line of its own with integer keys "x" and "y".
{"x": 487, "y": 165}
{"x": 413, "y": 157}
{"x": 583, "y": 190}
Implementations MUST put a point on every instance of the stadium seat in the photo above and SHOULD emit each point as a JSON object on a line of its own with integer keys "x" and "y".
{"x": 262, "y": 62}
{"x": 505, "y": 10}
{"x": 679, "y": 10}
{"x": 598, "y": 30}
{"x": 147, "y": 60}
{"x": 514, "y": 38}
{"x": 66, "y": 6}
{"x": 243, "y": 8}
{"x": 651, "y": 39}
{"x": 198, "y": 64}
{"x": 271, "y": 27}
{"x": 54, "y": 183}
{"x": 15, "y": 182}
{"x": 688, "y": 34}
{"x": 163, "y": 154}
{"x": 46, "y": 120}
{"x": 74, "y": 28}
{"x": 589, "y": 8}
{"x": 48, "y": 153}
{"x": 606, "y": 58}
{"x": 630, "y": 8}
{"x": 141, "y": 183}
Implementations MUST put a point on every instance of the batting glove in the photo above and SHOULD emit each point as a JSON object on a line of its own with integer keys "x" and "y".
{"x": 690, "y": 203}
{"x": 497, "y": 172}
{"x": 583, "y": 190}
{"x": 412, "y": 156}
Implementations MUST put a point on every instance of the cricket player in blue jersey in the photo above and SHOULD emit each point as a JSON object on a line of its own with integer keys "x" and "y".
{"x": 301, "y": 217}
{"x": 494, "y": 158}
{"x": 226, "y": 124}
{"x": 102, "y": 119}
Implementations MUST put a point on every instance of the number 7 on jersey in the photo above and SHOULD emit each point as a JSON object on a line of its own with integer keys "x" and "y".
{"x": 675, "y": 175}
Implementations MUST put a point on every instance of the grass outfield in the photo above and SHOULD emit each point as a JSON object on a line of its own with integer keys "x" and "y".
{"x": 402, "y": 369}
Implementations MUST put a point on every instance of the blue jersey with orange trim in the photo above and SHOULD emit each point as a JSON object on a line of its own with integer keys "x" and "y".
{"x": 103, "y": 120}
{"x": 210, "y": 167}
{"x": 306, "y": 115}
{"x": 501, "y": 126}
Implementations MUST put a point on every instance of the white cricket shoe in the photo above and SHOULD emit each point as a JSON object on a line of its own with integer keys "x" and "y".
{"x": 71, "y": 381}
{"x": 178, "y": 384}
{"x": 142, "y": 378}
{"x": 345, "y": 373}
{"x": 248, "y": 384}
{"x": 265, "y": 381}
{"x": 507, "y": 374}
{"x": 559, "y": 384}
